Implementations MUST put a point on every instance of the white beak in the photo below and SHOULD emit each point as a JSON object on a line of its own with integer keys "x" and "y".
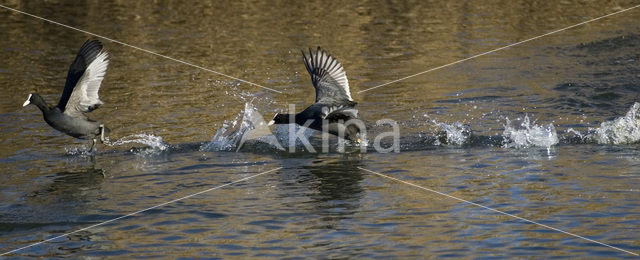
{"x": 28, "y": 101}
{"x": 271, "y": 122}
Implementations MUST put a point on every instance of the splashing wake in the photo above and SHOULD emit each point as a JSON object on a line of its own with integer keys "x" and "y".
{"x": 456, "y": 134}
{"x": 155, "y": 142}
{"x": 529, "y": 135}
{"x": 622, "y": 130}
{"x": 252, "y": 130}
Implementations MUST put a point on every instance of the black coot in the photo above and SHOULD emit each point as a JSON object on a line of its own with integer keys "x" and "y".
{"x": 80, "y": 95}
{"x": 334, "y": 104}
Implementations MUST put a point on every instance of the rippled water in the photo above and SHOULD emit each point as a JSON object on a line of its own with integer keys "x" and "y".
{"x": 547, "y": 130}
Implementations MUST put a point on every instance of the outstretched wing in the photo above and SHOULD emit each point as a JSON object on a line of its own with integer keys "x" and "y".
{"x": 91, "y": 66}
{"x": 327, "y": 76}
{"x": 87, "y": 53}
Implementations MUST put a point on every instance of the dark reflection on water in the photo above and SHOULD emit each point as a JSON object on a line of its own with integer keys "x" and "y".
{"x": 459, "y": 127}
{"x": 65, "y": 195}
{"x": 338, "y": 185}
{"x": 71, "y": 183}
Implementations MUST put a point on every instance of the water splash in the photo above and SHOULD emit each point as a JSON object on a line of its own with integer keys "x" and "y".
{"x": 79, "y": 151}
{"x": 221, "y": 140}
{"x": 573, "y": 136}
{"x": 622, "y": 130}
{"x": 452, "y": 134}
{"x": 155, "y": 142}
{"x": 529, "y": 135}
{"x": 575, "y": 132}
{"x": 251, "y": 130}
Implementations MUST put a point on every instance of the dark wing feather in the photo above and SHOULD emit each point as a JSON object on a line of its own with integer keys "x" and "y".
{"x": 327, "y": 76}
{"x": 87, "y": 53}
{"x": 339, "y": 111}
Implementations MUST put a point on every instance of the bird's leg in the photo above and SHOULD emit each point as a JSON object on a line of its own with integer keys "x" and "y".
{"x": 93, "y": 143}
{"x": 102, "y": 133}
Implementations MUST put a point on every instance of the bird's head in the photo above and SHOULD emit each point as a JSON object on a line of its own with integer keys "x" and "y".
{"x": 26, "y": 103}
{"x": 35, "y": 99}
{"x": 280, "y": 119}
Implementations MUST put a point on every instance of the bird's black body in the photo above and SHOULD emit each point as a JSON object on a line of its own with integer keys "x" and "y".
{"x": 334, "y": 110}
{"x": 79, "y": 97}
{"x": 338, "y": 124}
{"x": 86, "y": 128}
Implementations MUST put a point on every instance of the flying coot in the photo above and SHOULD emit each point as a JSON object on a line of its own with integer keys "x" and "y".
{"x": 334, "y": 106}
{"x": 80, "y": 96}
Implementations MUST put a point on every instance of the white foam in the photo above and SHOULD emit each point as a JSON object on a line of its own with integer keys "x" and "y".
{"x": 221, "y": 141}
{"x": 575, "y": 132}
{"x": 155, "y": 142}
{"x": 529, "y": 135}
{"x": 252, "y": 128}
{"x": 79, "y": 151}
{"x": 456, "y": 133}
{"x": 622, "y": 130}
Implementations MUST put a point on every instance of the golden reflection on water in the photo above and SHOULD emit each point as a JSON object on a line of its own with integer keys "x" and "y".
{"x": 260, "y": 41}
